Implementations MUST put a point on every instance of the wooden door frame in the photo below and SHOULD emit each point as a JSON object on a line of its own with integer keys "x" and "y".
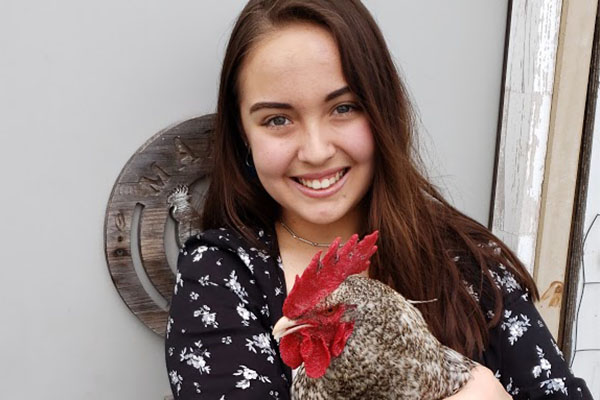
{"x": 547, "y": 63}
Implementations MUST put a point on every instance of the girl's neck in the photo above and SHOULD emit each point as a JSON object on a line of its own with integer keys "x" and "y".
{"x": 321, "y": 233}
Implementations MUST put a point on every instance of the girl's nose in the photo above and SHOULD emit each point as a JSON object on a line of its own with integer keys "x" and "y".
{"x": 316, "y": 146}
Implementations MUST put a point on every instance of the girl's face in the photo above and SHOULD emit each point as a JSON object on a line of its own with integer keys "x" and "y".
{"x": 311, "y": 145}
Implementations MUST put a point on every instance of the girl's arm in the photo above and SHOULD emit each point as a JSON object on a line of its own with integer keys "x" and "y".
{"x": 218, "y": 343}
{"x": 482, "y": 385}
{"x": 522, "y": 353}
{"x": 525, "y": 356}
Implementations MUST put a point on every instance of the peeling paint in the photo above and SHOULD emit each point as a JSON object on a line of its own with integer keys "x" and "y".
{"x": 525, "y": 124}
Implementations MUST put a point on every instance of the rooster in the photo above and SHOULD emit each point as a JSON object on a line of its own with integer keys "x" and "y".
{"x": 357, "y": 338}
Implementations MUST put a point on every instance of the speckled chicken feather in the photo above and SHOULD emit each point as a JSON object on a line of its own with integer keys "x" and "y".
{"x": 391, "y": 353}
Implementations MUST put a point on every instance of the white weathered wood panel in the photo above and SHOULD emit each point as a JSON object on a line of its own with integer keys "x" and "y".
{"x": 526, "y": 110}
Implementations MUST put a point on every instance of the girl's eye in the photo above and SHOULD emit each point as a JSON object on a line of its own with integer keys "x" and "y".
{"x": 277, "y": 121}
{"x": 344, "y": 109}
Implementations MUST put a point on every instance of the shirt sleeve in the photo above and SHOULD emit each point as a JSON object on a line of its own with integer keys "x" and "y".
{"x": 527, "y": 360}
{"x": 218, "y": 343}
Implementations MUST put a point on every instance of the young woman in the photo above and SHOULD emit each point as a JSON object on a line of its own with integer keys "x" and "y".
{"x": 313, "y": 140}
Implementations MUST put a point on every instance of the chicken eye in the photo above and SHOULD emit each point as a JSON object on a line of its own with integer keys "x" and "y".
{"x": 329, "y": 311}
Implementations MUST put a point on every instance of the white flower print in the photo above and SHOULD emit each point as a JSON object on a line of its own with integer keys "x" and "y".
{"x": 204, "y": 281}
{"x": 176, "y": 380}
{"x": 506, "y": 281}
{"x": 245, "y": 258}
{"x": 245, "y": 314}
{"x": 178, "y": 281}
{"x": 512, "y": 390}
{"x": 471, "y": 290}
{"x": 263, "y": 342}
{"x": 196, "y": 357}
{"x": 264, "y": 256}
{"x": 540, "y": 323}
{"x": 169, "y": 325}
{"x": 233, "y": 284}
{"x": 495, "y": 247}
{"x": 558, "y": 352}
{"x": 197, "y": 386}
{"x": 516, "y": 325}
{"x": 492, "y": 245}
{"x": 544, "y": 366}
{"x": 248, "y": 375}
{"x": 194, "y": 296}
{"x": 226, "y": 340}
{"x": 278, "y": 291}
{"x": 265, "y": 310}
{"x": 551, "y": 386}
{"x": 199, "y": 252}
{"x": 208, "y": 318}
{"x": 218, "y": 262}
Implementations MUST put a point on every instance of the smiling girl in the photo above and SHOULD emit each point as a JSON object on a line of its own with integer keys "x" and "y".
{"x": 313, "y": 141}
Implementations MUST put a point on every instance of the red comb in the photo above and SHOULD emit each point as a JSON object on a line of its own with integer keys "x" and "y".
{"x": 322, "y": 277}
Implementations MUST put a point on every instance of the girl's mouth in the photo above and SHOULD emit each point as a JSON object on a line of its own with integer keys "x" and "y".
{"x": 323, "y": 182}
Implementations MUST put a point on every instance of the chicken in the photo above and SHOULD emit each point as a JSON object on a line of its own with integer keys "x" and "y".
{"x": 357, "y": 338}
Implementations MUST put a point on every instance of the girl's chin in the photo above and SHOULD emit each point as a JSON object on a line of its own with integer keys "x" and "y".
{"x": 316, "y": 217}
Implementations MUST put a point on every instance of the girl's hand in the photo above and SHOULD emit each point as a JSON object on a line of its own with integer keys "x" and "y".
{"x": 482, "y": 385}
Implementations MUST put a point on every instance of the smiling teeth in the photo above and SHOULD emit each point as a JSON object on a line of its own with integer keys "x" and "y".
{"x": 321, "y": 183}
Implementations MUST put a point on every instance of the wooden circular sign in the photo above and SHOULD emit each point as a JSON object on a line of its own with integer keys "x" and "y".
{"x": 153, "y": 208}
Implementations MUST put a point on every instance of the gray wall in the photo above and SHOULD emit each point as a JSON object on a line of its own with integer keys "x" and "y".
{"x": 84, "y": 84}
{"x": 586, "y": 343}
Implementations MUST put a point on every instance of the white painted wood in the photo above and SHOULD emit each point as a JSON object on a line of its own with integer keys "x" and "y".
{"x": 532, "y": 50}
{"x": 526, "y": 132}
{"x": 569, "y": 98}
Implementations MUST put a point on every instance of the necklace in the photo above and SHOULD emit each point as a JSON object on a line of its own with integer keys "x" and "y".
{"x": 303, "y": 240}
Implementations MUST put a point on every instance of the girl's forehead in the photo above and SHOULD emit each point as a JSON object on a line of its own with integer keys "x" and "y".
{"x": 292, "y": 58}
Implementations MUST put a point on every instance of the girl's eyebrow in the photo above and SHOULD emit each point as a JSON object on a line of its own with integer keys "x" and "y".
{"x": 286, "y": 106}
{"x": 269, "y": 104}
{"x": 337, "y": 93}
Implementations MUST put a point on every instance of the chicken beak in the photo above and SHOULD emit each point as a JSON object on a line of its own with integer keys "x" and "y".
{"x": 285, "y": 326}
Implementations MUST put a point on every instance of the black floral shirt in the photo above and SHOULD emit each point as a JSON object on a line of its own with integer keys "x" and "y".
{"x": 228, "y": 296}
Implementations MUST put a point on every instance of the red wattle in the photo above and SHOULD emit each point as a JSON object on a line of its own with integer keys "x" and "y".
{"x": 289, "y": 348}
{"x": 316, "y": 356}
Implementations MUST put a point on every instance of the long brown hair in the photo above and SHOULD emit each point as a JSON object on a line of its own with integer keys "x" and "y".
{"x": 420, "y": 232}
